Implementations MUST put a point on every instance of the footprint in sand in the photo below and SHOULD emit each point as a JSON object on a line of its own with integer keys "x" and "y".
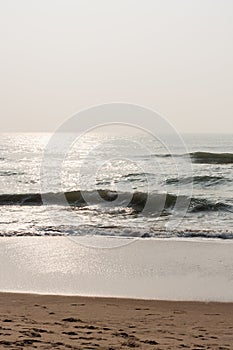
{"x": 71, "y": 319}
{"x": 70, "y": 333}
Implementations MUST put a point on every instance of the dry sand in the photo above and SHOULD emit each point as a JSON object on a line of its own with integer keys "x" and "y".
{"x": 30, "y": 321}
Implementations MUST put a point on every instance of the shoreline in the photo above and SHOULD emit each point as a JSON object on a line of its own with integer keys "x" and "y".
{"x": 74, "y": 322}
{"x": 87, "y": 237}
{"x": 109, "y": 298}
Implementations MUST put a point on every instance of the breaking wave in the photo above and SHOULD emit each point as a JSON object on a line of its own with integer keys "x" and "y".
{"x": 137, "y": 200}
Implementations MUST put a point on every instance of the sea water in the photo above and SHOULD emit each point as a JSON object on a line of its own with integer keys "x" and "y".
{"x": 106, "y": 181}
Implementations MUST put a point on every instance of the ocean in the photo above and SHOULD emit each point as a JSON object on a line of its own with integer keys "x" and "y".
{"x": 118, "y": 185}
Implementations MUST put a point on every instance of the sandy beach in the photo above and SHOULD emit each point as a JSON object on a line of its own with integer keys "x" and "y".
{"x": 31, "y": 321}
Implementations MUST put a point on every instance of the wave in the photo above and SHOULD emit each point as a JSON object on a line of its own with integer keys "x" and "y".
{"x": 136, "y": 200}
{"x": 10, "y": 173}
{"x": 207, "y": 180}
{"x": 202, "y": 234}
{"x": 131, "y": 177}
{"x": 115, "y": 231}
{"x": 203, "y": 157}
{"x": 225, "y": 235}
{"x": 202, "y": 204}
{"x": 137, "y": 175}
{"x": 212, "y": 158}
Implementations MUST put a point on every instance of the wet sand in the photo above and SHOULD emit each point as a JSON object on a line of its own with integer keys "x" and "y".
{"x": 145, "y": 269}
{"x": 31, "y": 321}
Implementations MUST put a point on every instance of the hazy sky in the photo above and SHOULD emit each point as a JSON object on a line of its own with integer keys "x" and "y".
{"x": 60, "y": 56}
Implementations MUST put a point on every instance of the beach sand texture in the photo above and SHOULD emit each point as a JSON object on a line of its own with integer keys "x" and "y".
{"x": 31, "y": 321}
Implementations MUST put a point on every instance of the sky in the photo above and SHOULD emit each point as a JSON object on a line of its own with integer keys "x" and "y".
{"x": 62, "y": 56}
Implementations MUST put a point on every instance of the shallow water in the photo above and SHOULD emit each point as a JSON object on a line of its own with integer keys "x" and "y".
{"x": 118, "y": 185}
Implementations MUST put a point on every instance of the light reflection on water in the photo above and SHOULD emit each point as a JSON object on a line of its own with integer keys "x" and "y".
{"x": 20, "y": 162}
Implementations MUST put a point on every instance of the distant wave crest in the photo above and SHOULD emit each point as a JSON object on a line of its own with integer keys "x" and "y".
{"x": 206, "y": 180}
{"x": 212, "y": 158}
{"x": 203, "y": 157}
